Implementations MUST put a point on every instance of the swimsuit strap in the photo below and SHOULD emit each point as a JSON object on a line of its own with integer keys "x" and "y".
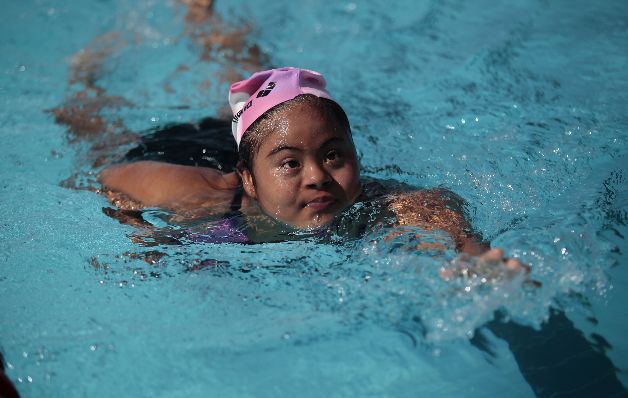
{"x": 236, "y": 202}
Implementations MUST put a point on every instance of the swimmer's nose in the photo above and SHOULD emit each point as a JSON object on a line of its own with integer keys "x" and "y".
{"x": 316, "y": 176}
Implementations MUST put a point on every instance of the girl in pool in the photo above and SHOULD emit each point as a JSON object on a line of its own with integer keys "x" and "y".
{"x": 297, "y": 165}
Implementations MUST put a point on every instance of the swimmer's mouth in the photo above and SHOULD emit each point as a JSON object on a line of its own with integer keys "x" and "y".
{"x": 321, "y": 203}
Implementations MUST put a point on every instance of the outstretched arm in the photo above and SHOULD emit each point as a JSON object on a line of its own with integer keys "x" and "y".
{"x": 438, "y": 209}
{"x": 442, "y": 209}
{"x": 170, "y": 186}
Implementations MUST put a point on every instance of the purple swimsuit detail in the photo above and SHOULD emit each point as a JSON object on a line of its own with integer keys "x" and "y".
{"x": 225, "y": 230}
{"x": 221, "y": 231}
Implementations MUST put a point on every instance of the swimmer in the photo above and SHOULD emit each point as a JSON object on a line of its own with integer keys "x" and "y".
{"x": 297, "y": 166}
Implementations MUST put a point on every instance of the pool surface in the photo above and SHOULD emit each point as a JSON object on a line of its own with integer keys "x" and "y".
{"x": 519, "y": 107}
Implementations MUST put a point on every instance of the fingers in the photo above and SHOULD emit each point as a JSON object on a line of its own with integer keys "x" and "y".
{"x": 446, "y": 273}
{"x": 493, "y": 255}
{"x": 491, "y": 265}
{"x": 513, "y": 265}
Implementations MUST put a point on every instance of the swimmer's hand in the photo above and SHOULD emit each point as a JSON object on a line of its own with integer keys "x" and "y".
{"x": 491, "y": 265}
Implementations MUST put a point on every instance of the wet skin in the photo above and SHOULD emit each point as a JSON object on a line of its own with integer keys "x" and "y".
{"x": 304, "y": 174}
{"x": 306, "y": 170}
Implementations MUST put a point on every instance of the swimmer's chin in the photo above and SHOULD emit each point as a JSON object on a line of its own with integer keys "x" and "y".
{"x": 313, "y": 224}
{"x": 324, "y": 218}
{"x": 306, "y": 221}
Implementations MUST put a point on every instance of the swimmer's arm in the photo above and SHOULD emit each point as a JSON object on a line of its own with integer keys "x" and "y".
{"x": 170, "y": 186}
{"x": 442, "y": 209}
{"x": 438, "y": 209}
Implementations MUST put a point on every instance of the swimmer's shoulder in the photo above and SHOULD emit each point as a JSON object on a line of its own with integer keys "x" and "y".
{"x": 427, "y": 208}
{"x": 424, "y": 207}
{"x": 373, "y": 188}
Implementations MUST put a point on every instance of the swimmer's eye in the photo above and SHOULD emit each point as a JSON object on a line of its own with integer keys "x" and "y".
{"x": 290, "y": 164}
{"x": 332, "y": 155}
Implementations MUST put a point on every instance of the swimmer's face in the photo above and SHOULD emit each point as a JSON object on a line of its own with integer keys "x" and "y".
{"x": 306, "y": 171}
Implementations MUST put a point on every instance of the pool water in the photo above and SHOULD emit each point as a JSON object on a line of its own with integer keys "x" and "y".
{"x": 519, "y": 107}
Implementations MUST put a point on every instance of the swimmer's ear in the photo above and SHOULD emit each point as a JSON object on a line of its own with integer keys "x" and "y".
{"x": 247, "y": 181}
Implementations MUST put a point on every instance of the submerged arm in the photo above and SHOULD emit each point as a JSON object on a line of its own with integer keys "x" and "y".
{"x": 170, "y": 186}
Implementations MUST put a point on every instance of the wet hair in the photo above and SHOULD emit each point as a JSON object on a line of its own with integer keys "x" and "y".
{"x": 259, "y": 131}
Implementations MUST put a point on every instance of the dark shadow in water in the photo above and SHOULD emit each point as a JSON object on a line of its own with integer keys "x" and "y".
{"x": 558, "y": 361}
{"x": 7, "y": 390}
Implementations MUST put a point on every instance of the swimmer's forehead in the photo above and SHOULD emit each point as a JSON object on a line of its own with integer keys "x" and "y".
{"x": 283, "y": 146}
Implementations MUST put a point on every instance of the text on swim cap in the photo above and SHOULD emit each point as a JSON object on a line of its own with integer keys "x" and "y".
{"x": 236, "y": 117}
{"x": 261, "y": 93}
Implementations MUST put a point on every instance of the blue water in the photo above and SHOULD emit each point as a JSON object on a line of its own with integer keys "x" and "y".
{"x": 518, "y": 107}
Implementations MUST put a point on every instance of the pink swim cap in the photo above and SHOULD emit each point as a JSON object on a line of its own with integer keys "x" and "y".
{"x": 250, "y": 98}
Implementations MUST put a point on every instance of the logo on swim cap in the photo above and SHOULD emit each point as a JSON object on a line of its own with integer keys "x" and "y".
{"x": 251, "y": 98}
{"x": 267, "y": 90}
